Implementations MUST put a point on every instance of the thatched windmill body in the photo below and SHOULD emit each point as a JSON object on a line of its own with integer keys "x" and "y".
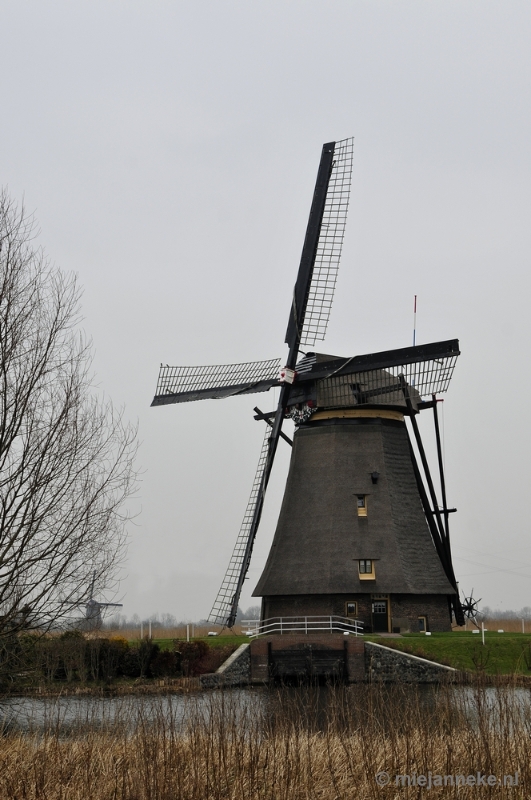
{"x": 361, "y": 533}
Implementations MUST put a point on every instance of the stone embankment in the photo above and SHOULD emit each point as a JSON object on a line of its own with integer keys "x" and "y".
{"x": 391, "y": 666}
{"x": 360, "y": 661}
{"x": 235, "y": 671}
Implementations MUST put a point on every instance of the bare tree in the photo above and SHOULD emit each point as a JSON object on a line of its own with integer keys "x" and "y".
{"x": 66, "y": 456}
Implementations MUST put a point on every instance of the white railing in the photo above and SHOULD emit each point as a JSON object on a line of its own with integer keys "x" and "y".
{"x": 284, "y": 625}
{"x": 249, "y": 625}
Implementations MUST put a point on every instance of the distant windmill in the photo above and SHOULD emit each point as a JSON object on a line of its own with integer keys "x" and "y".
{"x": 93, "y": 618}
{"x": 360, "y": 532}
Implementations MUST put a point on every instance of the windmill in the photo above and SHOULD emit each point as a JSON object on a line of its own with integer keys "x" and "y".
{"x": 360, "y": 526}
{"x": 93, "y": 618}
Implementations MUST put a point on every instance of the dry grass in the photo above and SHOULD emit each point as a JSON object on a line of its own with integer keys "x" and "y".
{"x": 505, "y": 625}
{"x": 177, "y": 632}
{"x": 508, "y": 625}
{"x": 285, "y": 745}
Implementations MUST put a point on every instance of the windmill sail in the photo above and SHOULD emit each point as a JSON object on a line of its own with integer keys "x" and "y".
{"x": 329, "y": 246}
{"x": 239, "y": 562}
{"x": 185, "y": 384}
{"x": 426, "y": 369}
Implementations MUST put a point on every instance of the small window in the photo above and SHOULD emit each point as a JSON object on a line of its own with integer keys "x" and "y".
{"x": 351, "y": 609}
{"x": 362, "y": 505}
{"x": 366, "y": 569}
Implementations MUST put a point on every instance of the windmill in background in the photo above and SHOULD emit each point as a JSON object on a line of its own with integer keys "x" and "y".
{"x": 361, "y": 532}
{"x": 93, "y": 619}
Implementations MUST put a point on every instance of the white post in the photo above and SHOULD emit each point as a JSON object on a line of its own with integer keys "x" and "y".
{"x": 483, "y": 632}
{"x": 523, "y": 627}
{"x": 330, "y": 624}
{"x": 141, "y": 630}
{"x": 150, "y": 629}
{"x": 187, "y": 632}
{"x": 280, "y": 624}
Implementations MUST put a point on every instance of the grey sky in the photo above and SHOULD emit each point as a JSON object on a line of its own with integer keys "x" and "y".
{"x": 169, "y": 150}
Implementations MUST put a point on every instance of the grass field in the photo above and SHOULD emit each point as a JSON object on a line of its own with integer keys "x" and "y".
{"x": 502, "y": 654}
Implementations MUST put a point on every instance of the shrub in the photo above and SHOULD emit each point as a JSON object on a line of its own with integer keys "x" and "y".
{"x": 192, "y": 653}
{"x": 165, "y": 664}
{"x": 137, "y": 661}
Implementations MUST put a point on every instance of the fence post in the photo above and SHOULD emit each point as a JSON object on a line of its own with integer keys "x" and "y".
{"x": 281, "y": 625}
{"x": 187, "y": 632}
{"x": 305, "y": 624}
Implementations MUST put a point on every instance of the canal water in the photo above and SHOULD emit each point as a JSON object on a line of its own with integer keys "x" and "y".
{"x": 264, "y": 709}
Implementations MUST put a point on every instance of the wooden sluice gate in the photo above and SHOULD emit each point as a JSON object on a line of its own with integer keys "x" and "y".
{"x": 307, "y": 657}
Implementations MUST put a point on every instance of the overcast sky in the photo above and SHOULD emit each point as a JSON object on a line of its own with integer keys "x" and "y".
{"x": 169, "y": 151}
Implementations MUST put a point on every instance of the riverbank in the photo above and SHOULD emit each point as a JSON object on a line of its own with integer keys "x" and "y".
{"x": 99, "y": 667}
{"x": 154, "y": 687}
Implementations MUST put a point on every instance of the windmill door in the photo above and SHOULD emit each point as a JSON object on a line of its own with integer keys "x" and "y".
{"x": 380, "y": 616}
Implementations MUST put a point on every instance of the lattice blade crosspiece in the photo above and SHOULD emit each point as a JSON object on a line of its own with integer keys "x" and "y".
{"x": 185, "y": 384}
{"x": 317, "y": 276}
{"x": 239, "y": 562}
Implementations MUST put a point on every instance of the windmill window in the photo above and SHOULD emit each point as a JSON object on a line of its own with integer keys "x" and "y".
{"x": 362, "y": 505}
{"x": 366, "y": 569}
{"x": 351, "y": 609}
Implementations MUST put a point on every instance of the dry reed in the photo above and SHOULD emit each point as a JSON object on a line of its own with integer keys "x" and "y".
{"x": 507, "y": 625}
{"x": 176, "y": 632}
{"x": 279, "y": 745}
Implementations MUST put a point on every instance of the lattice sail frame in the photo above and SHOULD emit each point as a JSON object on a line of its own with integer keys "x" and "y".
{"x": 384, "y": 386}
{"x": 330, "y": 245}
{"x": 427, "y": 377}
{"x": 221, "y": 609}
{"x": 184, "y": 380}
